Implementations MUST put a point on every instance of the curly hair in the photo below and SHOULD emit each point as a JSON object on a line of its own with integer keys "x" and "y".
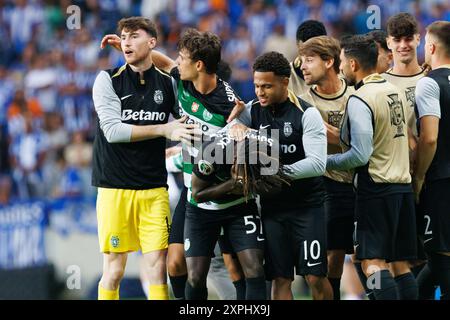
{"x": 273, "y": 62}
{"x": 310, "y": 29}
{"x": 252, "y": 156}
{"x": 402, "y": 25}
{"x": 203, "y": 46}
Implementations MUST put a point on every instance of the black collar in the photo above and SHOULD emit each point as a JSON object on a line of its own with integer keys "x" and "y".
{"x": 136, "y": 77}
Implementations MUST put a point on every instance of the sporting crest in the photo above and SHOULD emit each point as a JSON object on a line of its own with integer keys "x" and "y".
{"x": 397, "y": 114}
{"x": 334, "y": 118}
{"x": 287, "y": 130}
{"x": 158, "y": 97}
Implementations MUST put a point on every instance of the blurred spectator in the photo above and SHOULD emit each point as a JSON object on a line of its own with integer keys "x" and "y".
{"x": 5, "y": 190}
{"x": 152, "y": 8}
{"x": 78, "y": 155}
{"x": 259, "y": 22}
{"x": 4, "y": 152}
{"x": 74, "y": 99}
{"x": 86, "y": 50}
{"x": 23, "y": 20}
{"x": 40, "y": 81}
{"x": 27, "y": 156}
{"x": 6, "y": 94}
{"x": 56, "y": 67}
{"x": 19, "y": 107}
{"x": 239, "y": 52}
{"x": 277, "y": 41}
{"x": 65, "y": 181}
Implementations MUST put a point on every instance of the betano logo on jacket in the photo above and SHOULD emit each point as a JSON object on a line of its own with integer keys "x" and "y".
{"x": 142, "y": 115}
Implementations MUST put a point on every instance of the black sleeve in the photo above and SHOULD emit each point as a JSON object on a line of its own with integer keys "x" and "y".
{"x": 175, "y": 73}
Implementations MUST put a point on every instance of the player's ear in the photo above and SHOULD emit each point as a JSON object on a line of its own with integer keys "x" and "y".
{"x": 199, "y": 65}
{"x": 329, "y": 63}
{"x": 152, "y": 43}
{"x": 389, "y": 43}
{"x": 354, "y": 66}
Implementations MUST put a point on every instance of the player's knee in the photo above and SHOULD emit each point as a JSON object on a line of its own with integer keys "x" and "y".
{"x": 281, "y": 283}
{"x": 335, "y": 264}
{"x": 114, "y": 275}
{"x": 253, "y": 270}
{"x": 196, "y": 279}
{"x": 369, "y": 267}
{"x": 400, "y": 267}
{"x": 315, "y": 281}
{"x": 176, "y": 266}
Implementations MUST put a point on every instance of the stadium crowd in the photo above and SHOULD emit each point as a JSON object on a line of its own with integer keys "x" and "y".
{"x": 47, "y": 119}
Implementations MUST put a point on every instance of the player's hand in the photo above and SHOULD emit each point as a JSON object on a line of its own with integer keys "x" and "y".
{"x": 332, "y": 134}
{"x": 111, "y": 39}
{"x": 238, "y": 132}
{"x": 238, "y": 180}
{"x": 172, "y": 151}
{"x": 417, "y": 187}
{"x": 237, "y": 110}
{"x": 177, "y": 130}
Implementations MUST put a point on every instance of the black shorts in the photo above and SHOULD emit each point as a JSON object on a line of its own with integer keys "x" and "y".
{"x": 177, "y": 227}
{"x": 340, "y": 215}
{"x": 386, "y": 228}
{"x": 436, "y": 214}
{"x": 225, "y": 245}
{"x": 420, "y": 227}
{"x": 241, "y": 226}
{"x": 295, "y": 239}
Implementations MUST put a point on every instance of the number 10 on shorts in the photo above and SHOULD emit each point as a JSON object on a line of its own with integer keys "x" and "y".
{"x": 314, "y": 250}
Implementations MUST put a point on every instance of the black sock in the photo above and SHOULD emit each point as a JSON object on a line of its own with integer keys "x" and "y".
{"x": 407, "y": 286}
{"x": 363, "y": 279}
{"x": 426, "y": 283}
{"x": 240, "y": 289}
{"x": 440, "y": 268}
{"x": 336, "y": 285}
{"x": 268, "y": 290}
{"x": 192, "y": 293}
{"x": 387, "y": 287}
{"x": 178, "y": 284}
{"x": 256, "y": 288}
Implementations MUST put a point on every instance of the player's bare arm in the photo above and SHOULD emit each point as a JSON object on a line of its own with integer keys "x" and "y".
{"x": 203, "y": 191}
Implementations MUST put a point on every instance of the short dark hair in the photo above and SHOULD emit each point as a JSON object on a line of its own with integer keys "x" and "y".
{"x": 363, "y": 49}
{"x": 402, "y": 25}
{"x": 224, "y": 71}
{"x": 136, "y": 23}
{"x": 379, "y": 36}
{"x": 441, "y": 30}
{"x": 273, "y": 62}
{"x": 203, "y": 46}
{"x": 310, "y": 29}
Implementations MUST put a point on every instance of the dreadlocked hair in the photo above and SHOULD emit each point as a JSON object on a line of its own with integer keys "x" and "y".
{"x": 260, "y": 172}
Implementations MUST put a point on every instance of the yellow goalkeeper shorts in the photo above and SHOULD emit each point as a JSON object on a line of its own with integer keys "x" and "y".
{"x": 132, "y": 220}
